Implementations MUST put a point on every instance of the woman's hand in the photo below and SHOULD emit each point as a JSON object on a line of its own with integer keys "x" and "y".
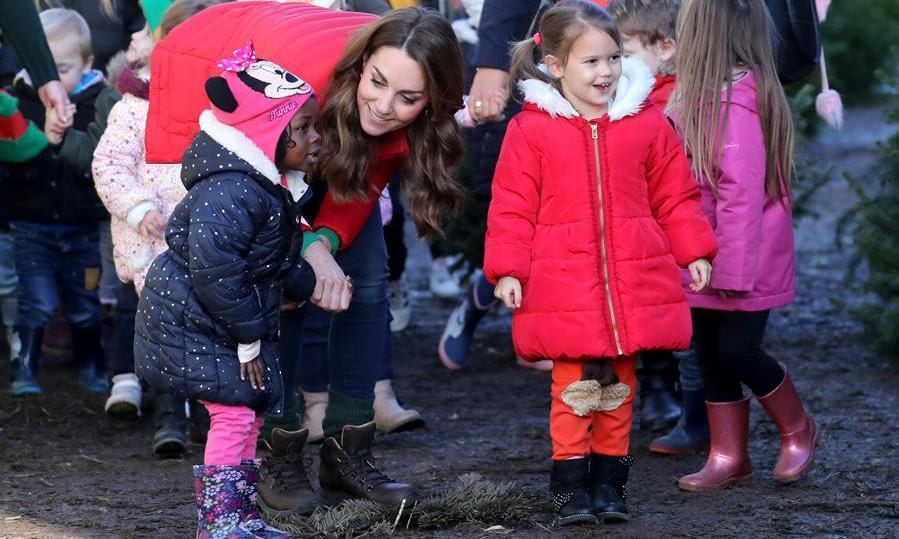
{"x": 489, "y": 95}
{"x": 55, "y": 99}
{"x": 701, "y": 273}
{"x": 333, "y": 289}
{"x": 508, "y": 290}
{"x": 152, "y": 225}
{"x": 254, "y": 372}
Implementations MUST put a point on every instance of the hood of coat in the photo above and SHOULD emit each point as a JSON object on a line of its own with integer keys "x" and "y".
{"x": 205, "y": 157}
{"x": 743, "y": 93}
{"x": 114, "y": 68}
{"x": 634, "y": 87}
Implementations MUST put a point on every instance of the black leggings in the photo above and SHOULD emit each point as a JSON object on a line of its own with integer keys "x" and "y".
{"x": 729, "y": 349}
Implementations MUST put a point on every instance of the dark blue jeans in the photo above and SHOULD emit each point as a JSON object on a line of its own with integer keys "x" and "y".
{"x": 346, "y": 352}
{"x": 312, "y": 352}
{"x": 67, "y": 260}
{"x": 125, "y": 311}
{"x": 358, "y": 336}
{"x": 690, "y": 371}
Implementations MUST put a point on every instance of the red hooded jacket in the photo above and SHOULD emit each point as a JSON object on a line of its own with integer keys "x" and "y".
{"x": 662, "y": 90}
{"x": 594, "y": 219}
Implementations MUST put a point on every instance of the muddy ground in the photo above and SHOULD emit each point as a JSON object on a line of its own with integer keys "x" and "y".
{"x": 66, "y": 470}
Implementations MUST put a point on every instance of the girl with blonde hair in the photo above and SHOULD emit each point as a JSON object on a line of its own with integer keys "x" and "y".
{"x": 735, "y": 122}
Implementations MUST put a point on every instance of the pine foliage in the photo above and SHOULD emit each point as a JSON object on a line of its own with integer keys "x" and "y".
{"x": 875, "y": 232}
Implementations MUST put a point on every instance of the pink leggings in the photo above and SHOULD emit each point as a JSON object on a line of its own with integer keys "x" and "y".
{"x": 233, "y": 432}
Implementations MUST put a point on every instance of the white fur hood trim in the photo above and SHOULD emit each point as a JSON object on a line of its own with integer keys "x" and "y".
{"x": 243, "y": 147}
{"x": 634, "y": 87}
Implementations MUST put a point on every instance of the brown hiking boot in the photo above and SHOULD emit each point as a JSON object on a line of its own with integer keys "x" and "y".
{"x": 348, "y": 470}
{"x": 284, "y": 487}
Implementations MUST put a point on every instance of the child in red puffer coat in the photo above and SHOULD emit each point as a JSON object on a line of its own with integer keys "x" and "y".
{"x": 594, "y": 209}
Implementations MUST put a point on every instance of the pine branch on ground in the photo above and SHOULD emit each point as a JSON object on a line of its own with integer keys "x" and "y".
{"x": 471, "y": 499}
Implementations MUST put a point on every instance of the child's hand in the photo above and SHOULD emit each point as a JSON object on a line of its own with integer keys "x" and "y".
{"x": 54, "y": 128}
{"x": 508, "y": 290}
{"x": 701, "y": 273}
{"x": 254, "y": 372}
{"x": 152, "y": 225}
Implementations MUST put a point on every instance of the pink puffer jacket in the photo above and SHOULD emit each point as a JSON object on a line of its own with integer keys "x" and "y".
{"x": 755, "y": 262}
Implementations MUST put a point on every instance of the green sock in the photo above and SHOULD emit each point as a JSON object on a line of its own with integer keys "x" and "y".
{"x": 345, "y": 410}
{"x": 289, "y": 421}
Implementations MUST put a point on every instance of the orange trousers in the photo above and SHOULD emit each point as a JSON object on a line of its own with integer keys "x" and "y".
{"x": 606, "y": 433}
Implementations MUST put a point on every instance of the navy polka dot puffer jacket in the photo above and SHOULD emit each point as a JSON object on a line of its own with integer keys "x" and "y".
{"x": 233, "y": 247}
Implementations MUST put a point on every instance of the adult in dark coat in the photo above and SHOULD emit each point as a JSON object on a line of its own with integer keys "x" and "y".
{"x": 21, "y": 28}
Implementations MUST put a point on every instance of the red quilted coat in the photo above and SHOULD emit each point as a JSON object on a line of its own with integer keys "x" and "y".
{"x": 662, "y": 90}
{"x": 594, "y": 218}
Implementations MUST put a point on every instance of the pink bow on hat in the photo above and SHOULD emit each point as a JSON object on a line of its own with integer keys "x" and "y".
{"x": 241, "y": 60}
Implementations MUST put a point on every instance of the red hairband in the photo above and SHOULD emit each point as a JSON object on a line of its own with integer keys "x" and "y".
{"x": 538, "y": 39}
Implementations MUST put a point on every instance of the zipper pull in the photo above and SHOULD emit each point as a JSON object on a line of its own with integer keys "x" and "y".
{"x": 595, "y": 129}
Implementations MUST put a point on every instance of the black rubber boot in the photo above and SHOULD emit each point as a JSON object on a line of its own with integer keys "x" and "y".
{"x": 88, "y": 354}
{"x": 608, "y": 479}
{"x": 24, "y": 367}
{"x": 348, "y": 470}
{"x": 691, "y": 434}
{"x": 284, "y": 487}
{"x": 171, "y": 425}
{"x": 569, "y": 484}
{"x": 659, "y": 403}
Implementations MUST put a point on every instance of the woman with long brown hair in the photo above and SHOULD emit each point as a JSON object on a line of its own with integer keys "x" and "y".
{"x": 391, "y": 90}
{"x": 736, "y": 125}
{"x": 389, "y": 107}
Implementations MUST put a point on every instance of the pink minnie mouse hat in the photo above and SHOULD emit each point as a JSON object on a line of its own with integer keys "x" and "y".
{"x": 256, "y": 97}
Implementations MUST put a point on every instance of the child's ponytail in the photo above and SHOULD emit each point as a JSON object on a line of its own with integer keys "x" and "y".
{"x": 523, "y": 65}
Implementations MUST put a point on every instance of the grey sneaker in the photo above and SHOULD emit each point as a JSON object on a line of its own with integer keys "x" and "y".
{"x": 400, "y": 309}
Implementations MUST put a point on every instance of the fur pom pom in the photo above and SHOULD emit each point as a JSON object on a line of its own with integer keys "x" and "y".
{"x": 830, "y": 108}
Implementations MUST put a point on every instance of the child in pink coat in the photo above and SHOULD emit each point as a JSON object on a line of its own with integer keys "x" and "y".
{"x": 740, "y": 140}
{"x": 140, "y": 198}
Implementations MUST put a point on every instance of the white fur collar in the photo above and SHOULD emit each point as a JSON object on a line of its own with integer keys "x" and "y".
{"x": 235, "y": 141}
{"x": 241, "y": 145}
{"x": 634, "y": 87}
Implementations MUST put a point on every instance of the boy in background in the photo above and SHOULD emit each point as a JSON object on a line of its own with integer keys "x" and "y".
{"x": 53, "y": 211}
{"x": 648, "y": 32}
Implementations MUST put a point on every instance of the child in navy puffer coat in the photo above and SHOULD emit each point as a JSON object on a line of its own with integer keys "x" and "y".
{"x": 207, "y": 320}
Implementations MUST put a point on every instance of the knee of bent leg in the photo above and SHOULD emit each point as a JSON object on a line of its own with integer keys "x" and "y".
{"x": 735, "y": 354}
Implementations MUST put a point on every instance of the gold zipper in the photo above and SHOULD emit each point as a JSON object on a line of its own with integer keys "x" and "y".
{"x": 602, "y": 239}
